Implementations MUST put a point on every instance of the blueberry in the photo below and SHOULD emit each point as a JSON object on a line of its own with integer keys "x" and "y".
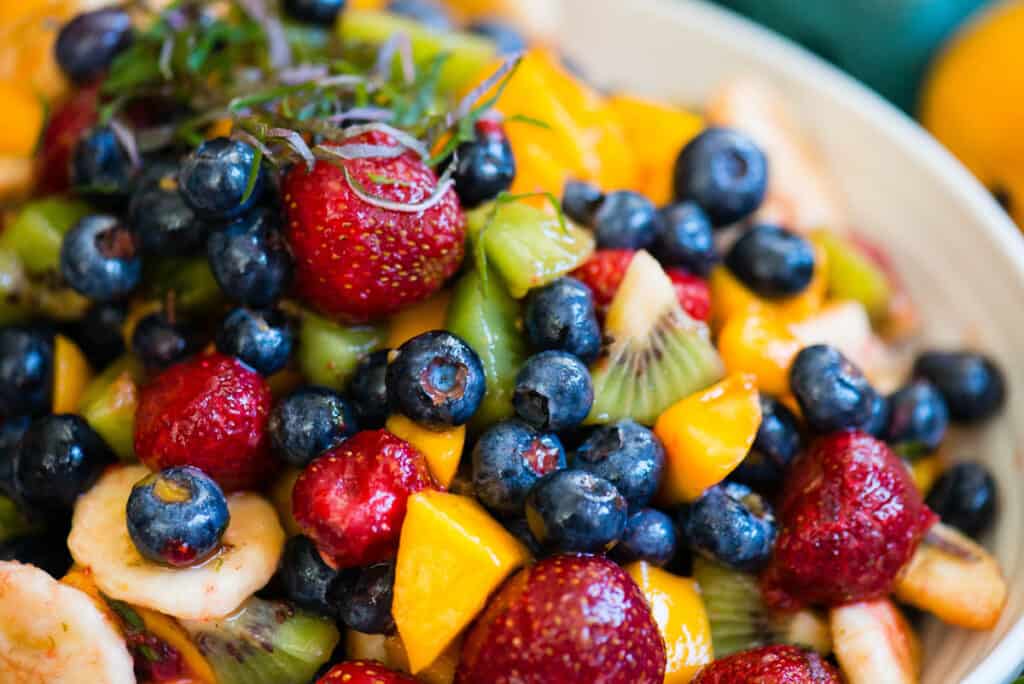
{"x": 47, "y": 551}
{"x": 964, "y": 496}
{"x": 322, "y": 12}
{"x": 777, "y": 443}
{"x": 878, "y": 421}
{"x": 724, "y": 172}
{"x": 772, "y": 261}
{"x": 177, "y": 517}
{"x": 101, "y": 168}
{"x": 484, "y": 167}
{"x": 832, "y": 392}
{"x": 100, "y": 334}
{"x": 507, "y": 37}
{"x": 575, "y": 511}
{"x": 561, "y": 316}
{"x": 625, "y": 220}
{"x": 11, "y": 431}
{"x": 580, "y": 201}
{"x": 308, "y": 422}
{"x": 436, "y": 380}
{"x": 366, "y": 606}
{"x": 250, "y": 260}
{"x": 650, "y": 536}
{"x": 99, "y": 259}
{"x": 917, "y": 417}
{"x": 626, "y": 454}
{"x": 508, "y": 460}
{"x": 260, "y": 338}
{"x": 26, "y": 371}
{"x": 972, "y": 384}
{"x": 520, "y": 529}
{"x": 430, "y": 13}
{"x": 368, "y": 390}
{"x": 88, "y": 44}
{"x": 59, "y": 457}
{"x": 163, "y": 223}
{"x": 553, "y": 391}
{"x": 685, "y": 239}
{"x": 214, "y": 178}
{"x": 160, "y": 342}
{"x": 732, "y": 525}
{"x": 305, "y": 578}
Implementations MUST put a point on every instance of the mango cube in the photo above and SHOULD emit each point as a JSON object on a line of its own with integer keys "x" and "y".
{"x": 452, "y": 554}
{"x": 418, "y": 319}
{"x": 442, "y": 450}
{"x": 706, "y": 435}
{"x": 679, "y": 612}
{"x": 758, "y": 342}
{"x": 71, "y": 373}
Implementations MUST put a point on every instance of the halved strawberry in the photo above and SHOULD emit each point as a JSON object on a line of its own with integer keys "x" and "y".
{"x": 63, "y": 131}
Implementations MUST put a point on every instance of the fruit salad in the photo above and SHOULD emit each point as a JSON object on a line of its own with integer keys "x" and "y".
{"x": 372, "y": 343}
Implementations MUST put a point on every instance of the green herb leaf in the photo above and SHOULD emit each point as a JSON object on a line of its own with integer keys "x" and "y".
{"x": 254, "y": 174}
{"x": 127, "y": 614}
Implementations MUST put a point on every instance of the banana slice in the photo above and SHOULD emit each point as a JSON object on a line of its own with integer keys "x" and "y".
{"x": 99, "y": 541}
{"x": 801, "y": 194}
{"x": 954, "y": 578}
{"x": 51, "y": 633}
{"x": 874, "y": 643}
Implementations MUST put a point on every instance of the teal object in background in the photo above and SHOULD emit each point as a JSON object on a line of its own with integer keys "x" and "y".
{"x": 885, "y": 43}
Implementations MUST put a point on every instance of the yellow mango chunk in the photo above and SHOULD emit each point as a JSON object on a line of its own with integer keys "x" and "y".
{"x": 706, "y": 435}
{"x": 757, "y": 342}
{"x": 925, "y": 471}
{"x": 451, "y": 555}
{"x": 441, "y": 671}
{"x": 281, "y": 497}
{"x": 678, "y": 610}
{"x": 656, "y": 132}
{"x": 23, "y": 119}
{"x": 419, "y": 318}
{"x": 71, "y": 373}
{"x": 221, "y": 128}
{"x": 442, "y": 450}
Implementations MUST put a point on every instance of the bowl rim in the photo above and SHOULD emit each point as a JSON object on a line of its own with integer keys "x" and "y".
{"x": 1004, "y": 661}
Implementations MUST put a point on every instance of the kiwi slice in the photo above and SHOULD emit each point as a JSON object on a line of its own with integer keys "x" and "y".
{"x": 657, "y": 354}
{"x": 852, "y": 275}
{"x": 527, "y": 246}
{"x": 467, "y": 56}
{"x": 109, "y": 402}
{"x": 12, "y": 522}
{"x": 328, "y": 351}
{"x": 190, "y": 278}
{"x": 265, "y": 642}
{"x": 487, "y": 318}
{"x": 740, "y": 620}
{"x": 36, "y": 233}
{"x": 14, "y": 289}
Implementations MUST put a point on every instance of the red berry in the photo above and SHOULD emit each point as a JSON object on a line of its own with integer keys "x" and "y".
{"x": 603, "y": 273}
{"x": 771, "y": 665}
{"x": 565, "y": 619}
{"x": 63, "y": 131}
{"x": 849, "y": 518}
{"x": 363, "y": 672}
{"x": 693, "y": 293}
{"x": 351, "y": 500}
{"x": 358, "y": 261}
{"x": 209, "y": 412}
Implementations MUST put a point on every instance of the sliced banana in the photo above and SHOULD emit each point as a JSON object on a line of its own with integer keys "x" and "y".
{"x": 51, "y": 633}
{"x": 874, "y": 643}
{"x": 99, "y": 541}
{"x": 954, "y": 578}
{"x": 801, "y": 194}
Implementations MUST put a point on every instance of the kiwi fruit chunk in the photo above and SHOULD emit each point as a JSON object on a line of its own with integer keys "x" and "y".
{"x": 527, "y": 246}
{"x": 740, "y": 620}
{"x": 195, "y": 290}
{"x": 467, "y": 56}
{"x": 852, "y": 274}
{"x": 36, "y": 233}
{"x": 486, "y": 316}
{"x": 12, "y": 522}
{"x": 109, "y": 403}
{"x": 328, "y": 351}
{"x": 657, "y": 354}
{"x": 265, "y": 642}
{"x": 14, "y": 289}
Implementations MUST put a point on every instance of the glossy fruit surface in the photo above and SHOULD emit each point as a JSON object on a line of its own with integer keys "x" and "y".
{"x": 972, "y": 384}
{"x": 832, "y": 392}
{"x": 724, "y": 172}
{"x": 650, "y": 536}
{"x": 918, "y": 417}
{"x": 305, "y": 578}
{"x": 773, "y": 262}
{"x": 731, "y": 525}
{"x": 777, "y": 443}
{"x": 160, "y": 342}
{"x": 561, "y": 315}
{"x": 308, "y": 422}
{"x": 215, "y": 179}
{"x": 685, "y": 238}
{"x": 777, "y": 664}
{"x": 575, "y": 511}
{"x": 625, "y": 220}
{"x": 553, "y": 391}
{"x": 365, "y": 605}
{"x": 99, "y": 259}
{"x": 250, "y": 259}
{"x": 508, "y": 460}
{"x": 88, "y": 43}
{"x": 368, "y": 389}
{"x": 261, "y": 339}
{"x": 965, "y": 497}
{"x": 322, "y": 12}
{"x": 26, "y": 371}
{"x": 626, "y": 454}
{"x": 484, "y": 167}
{"x": 157, "y": 212}
{"x": 363, "y": 672}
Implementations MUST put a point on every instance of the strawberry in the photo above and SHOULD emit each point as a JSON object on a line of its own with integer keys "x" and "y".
{"x": 849, "y": 518}
{"x": 63, "y": 131}
{"x": 358, "y": 261}
{"x": 363, "y": 672}
{"x": 351, "y": 500}
{"x": 693, "y": 293}
{"x": 565, "y": 619}
{"x": 771, "y": 665}
{"x": 604, "y": 270}
{"x": 209, "y": 412}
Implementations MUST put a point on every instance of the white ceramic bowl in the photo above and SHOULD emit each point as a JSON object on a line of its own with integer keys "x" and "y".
{"x": 961, "y": 256}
